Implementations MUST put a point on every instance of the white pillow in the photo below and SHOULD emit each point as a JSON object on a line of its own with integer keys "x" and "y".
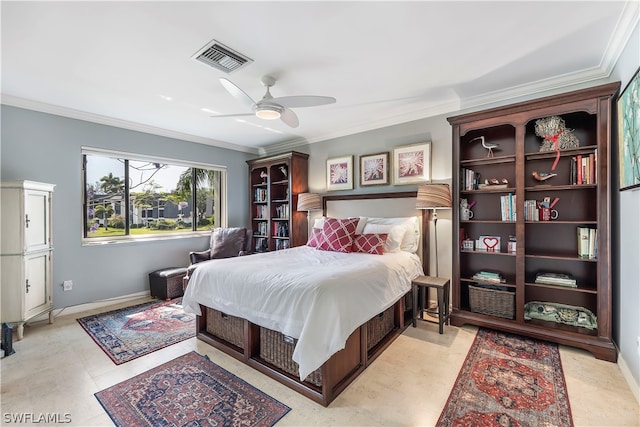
{"x": 411, "y": 238}
{"x": 394, "y": 233}
{"x": 319, "y": 222}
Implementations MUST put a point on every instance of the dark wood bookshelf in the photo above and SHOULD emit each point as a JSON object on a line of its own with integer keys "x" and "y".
{"x": 541, "y": 246}
{"x": 279, "y": 179}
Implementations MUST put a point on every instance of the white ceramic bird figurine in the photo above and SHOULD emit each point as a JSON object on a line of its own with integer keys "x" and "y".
{"x": 488, "y": 145}
{"x": 542, "y": 176}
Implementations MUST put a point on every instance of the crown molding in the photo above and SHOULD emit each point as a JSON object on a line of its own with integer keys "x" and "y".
{"x": 42, "y": 107}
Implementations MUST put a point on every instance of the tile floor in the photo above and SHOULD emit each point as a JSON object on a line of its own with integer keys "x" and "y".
{"x": 57, "y": 369}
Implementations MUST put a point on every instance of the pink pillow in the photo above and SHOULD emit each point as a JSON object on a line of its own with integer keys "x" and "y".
{"x": 315, "y": 238}
{"x": 338, "y": 234}
{"x": 369, "y": 243}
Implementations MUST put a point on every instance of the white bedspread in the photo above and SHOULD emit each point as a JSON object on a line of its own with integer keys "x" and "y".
{"x": 318, "y": 297}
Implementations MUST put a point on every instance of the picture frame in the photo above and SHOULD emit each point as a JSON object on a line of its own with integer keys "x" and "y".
{"x": 340, "y": 173}
{"x": 374, "y": 169}
{"x": 412, "y": 164}
{"x": 628, "y": 106}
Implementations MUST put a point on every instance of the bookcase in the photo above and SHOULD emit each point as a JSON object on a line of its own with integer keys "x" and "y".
{"x": 275, "y": 183}
{"x": 509, "y": 281}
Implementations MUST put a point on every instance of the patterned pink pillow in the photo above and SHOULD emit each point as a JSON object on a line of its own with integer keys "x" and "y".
{"x": 338, "y": 234}
{"x": 369, "y": 243}
{"x": 315, "y": 238}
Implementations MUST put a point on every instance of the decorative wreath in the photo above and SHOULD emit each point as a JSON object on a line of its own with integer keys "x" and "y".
{"x": 556, "y": 135}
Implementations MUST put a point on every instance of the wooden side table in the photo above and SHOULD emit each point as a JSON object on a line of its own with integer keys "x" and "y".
{"x": 422, "y": 283}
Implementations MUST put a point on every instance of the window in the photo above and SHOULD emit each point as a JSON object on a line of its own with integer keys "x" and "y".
{"x": 130, "y": 196}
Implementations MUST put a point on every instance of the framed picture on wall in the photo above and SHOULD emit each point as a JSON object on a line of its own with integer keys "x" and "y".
{"x": 374, "y": 169}
{"x": 629, "y": 134}
{"x": 412, "y": 164}
{"x": 340, "y": 173}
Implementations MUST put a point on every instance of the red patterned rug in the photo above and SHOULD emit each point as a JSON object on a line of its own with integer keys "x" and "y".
{"x": 131, "y": 332}
{"x": 509, "y": 380}
{"x": 189, "y": 391}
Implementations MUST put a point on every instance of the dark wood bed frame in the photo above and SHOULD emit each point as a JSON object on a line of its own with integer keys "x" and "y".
{"x": 345, "y": 365}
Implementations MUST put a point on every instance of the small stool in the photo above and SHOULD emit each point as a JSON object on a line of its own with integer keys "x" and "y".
{"x": 422, "y": 283}
{"x": 167, "y": 282}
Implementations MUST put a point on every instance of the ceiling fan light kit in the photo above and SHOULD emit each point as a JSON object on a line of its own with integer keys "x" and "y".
{"x": 268, "y": 112}
{"x": 270, "y": 108}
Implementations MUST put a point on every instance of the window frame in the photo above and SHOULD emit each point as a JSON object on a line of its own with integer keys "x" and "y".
{"x": 128, "y": 238}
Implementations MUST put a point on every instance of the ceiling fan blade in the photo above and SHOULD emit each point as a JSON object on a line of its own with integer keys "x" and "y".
{"x": 289, "y": 118}
{"x": 302, "y": 101}
{"x": 234, "y": 115}
{"x": 238, "y": 93}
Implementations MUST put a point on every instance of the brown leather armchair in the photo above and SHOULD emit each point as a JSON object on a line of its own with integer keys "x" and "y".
{"x": 224, "y": 243}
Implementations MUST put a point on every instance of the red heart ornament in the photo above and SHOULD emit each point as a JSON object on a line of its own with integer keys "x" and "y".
{"x": 490, "y": 243}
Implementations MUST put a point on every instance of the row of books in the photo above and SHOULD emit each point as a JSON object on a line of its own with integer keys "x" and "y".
{"x": 282, "y": 211}
{"x": 469, "y": 179}
{"x": 261, "y": 211}
{"x": 559, "y": 279}
{"x": 261, "y": 244}
{"x": 583, "y": 169}
{"x": 488, "y": 276}
{"x": 281, "y": 229}
{"x": 508, "y": 207}
{"x": 260, "y": 195}
{"x": 261, "y": 229}
{"x": 587, "y": 242}
{"x": 281, "y": 244}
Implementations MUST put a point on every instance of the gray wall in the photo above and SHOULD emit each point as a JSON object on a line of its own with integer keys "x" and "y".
{"x": 44, "y": 147}
{"x": 626, "y": 245}
{"x": 435, "y": 129}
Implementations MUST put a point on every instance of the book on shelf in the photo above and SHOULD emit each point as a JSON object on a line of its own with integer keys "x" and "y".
{"x": 583, "y": 168}
{"x": 508, "y": 207}
{"x": 559, "y": 279}
{"x": 488, "y": 276}
{"x": 587, "y": 242}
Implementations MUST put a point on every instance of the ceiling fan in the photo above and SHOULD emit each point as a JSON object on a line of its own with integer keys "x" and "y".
{"x": 270, "y": 108}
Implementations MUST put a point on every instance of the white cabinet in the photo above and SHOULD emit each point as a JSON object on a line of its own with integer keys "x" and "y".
{"x": 27, "y": 249}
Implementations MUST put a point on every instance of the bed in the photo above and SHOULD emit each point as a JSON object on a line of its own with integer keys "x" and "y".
{"x": 314, "y": 319}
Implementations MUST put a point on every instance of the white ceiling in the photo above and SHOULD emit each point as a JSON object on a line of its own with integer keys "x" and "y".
{"x": 130, "y": 63}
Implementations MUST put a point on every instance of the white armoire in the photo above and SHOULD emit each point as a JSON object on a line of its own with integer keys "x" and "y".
{"x": 27, "y": 249}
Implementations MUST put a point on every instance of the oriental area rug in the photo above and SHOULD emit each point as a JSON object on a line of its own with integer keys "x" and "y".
{"x": 189, "y": 391}
{"x": 509, "y": 380}
{"x": 131, "y": 332}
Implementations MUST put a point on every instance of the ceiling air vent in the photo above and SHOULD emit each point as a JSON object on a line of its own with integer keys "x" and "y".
{"x": 221, "y": 57}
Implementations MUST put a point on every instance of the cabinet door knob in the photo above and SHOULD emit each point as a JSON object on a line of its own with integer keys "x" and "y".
{"x": 27, "y": 220}
{"x": 28, "y": 286}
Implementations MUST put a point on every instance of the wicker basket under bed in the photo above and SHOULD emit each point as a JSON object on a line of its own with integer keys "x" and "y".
{"x": 223, "y": 326}
{"x": 277, "y": 349}
{"x": 379, "y": 326}
{"x": 492, "y": 302}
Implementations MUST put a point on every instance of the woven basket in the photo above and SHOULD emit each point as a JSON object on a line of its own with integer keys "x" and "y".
{"x": 379, "y": 326}
{"x": 277, "y": 349}
{"x": 228, "y": 328}
{"x": 492, "y": 302}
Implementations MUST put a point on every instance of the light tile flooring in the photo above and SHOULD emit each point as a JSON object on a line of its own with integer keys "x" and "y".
{"x": 57, "y": 369}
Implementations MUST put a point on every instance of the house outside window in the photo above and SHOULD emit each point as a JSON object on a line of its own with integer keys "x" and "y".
{"x": 128, "y": 196}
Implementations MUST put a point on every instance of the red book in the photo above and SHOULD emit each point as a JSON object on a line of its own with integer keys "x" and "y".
{"x": 579, "y": 168}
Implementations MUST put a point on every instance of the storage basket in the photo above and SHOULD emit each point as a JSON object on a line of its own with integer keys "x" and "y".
{"x": 277, "y": 349}
{"x": 228, "y": 328}
{"x": 492, "y": 302}
{"x": 379, "y": 326}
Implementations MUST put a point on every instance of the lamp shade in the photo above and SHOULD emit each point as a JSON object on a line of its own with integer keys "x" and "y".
{"x": 309, "y": 202}
{"x": 433, "y": 196}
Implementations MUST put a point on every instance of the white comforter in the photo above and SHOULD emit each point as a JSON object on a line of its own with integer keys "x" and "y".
{"x": 318, "y": 297}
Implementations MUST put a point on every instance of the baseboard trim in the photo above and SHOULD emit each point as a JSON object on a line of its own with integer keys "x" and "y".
{"x": 628, "y": 376}
{"x": 74, "y": 309}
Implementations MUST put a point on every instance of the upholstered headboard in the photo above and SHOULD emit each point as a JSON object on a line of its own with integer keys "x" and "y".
{"x": 384, "y": 205}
